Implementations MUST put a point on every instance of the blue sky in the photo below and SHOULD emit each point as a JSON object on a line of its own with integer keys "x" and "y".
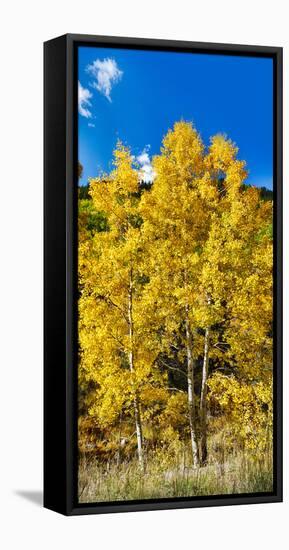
{"x": 137, "y": 95}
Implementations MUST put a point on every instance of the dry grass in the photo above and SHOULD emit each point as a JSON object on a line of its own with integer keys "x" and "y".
{"x": 239, "y": 474}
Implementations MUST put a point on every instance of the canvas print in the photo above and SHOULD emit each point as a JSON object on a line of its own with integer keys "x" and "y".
{"x": 175, "y": 283}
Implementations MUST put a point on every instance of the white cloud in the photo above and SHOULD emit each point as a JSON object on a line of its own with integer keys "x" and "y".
{"x": 143, "y": 158}
{"x": 84, "y": 96}
{"x": 105, "y": 74}
{"x": 91, "y": 125}
{"x": 146, "y": 172}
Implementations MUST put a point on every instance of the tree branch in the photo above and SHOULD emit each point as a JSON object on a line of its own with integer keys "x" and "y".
{"x": 173, "y": 368}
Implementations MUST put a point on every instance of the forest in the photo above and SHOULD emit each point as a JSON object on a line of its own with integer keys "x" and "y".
{"x": 175, "y": 325}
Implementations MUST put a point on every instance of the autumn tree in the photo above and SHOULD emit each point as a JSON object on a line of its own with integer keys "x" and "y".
{"x": 196, "y": 217}
{"x": 174, "y": 229}
{"x": 117, "y": 351}
{"x": 237, "y": 276}
{"x": 175, "y": 309}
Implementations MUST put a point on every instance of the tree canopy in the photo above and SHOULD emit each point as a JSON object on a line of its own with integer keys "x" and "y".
{"x": 175, "y": 307}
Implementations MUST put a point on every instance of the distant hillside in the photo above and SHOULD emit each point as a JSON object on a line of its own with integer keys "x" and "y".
{"x": 266, "y": 194}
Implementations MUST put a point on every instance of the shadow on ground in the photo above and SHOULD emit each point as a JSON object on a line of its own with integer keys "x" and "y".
{"x": 36, "y": 497}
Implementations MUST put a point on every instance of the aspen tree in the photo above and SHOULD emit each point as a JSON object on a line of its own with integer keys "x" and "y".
{"x": 116, "y": 349}
{"x": 175, "y": 226}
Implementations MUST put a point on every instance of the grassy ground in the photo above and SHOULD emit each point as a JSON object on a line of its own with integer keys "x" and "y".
{"x": 239, "y": 474}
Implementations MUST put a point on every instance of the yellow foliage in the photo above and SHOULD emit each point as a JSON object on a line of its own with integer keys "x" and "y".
{"x": 191, "y": 255}
{"x": 247, "y": 408}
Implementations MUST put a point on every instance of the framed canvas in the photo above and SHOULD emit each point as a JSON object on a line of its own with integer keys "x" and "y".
{"x": 163, "y": 274}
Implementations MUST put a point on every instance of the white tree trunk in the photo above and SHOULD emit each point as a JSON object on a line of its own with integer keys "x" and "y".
{"x": 203, "y": 400}
{"x": 191, "y": 393}
{"x": 137, "y": 416}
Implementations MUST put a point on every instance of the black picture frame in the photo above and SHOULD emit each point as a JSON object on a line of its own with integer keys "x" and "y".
{"x": 60, "y": 274}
